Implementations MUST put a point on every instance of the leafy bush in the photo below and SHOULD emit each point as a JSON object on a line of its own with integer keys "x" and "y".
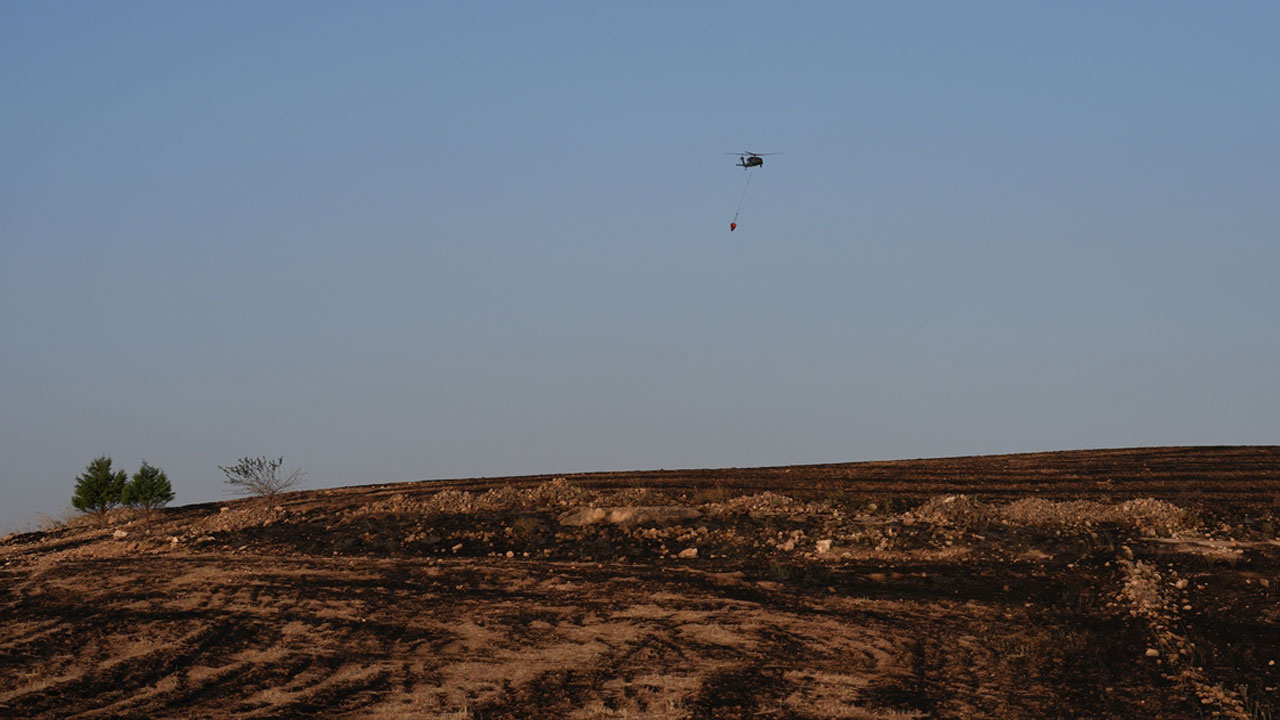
{"x": 99, "y": 488}
{"x": 149, "y": 489}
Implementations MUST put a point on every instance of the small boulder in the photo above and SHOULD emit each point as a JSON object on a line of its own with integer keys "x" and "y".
{"x": 688, "y": 553}
{"x": 630, "y": 515}
{"x": 582, "y": 516}
{"x": 652, "y": 515}
{"x": 119, "y": 534}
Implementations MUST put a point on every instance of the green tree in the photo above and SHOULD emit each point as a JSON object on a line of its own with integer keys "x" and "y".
{"x": 98, "y": 489}
{"x": 149, "y": 489}
{"x": 260, "y": 476}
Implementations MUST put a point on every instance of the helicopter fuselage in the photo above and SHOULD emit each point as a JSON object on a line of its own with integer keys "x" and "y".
{"x": 750, "y": 162}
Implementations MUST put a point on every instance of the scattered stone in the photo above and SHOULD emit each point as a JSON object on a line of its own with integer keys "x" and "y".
{"x": 688, "y": 553}
{"x": 1152, "y": 652}
{"x": 823, "y": 546}
{"x": 120, "y": 534}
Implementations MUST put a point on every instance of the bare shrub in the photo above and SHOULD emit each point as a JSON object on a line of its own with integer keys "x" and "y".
{"x": 527, "y": 527}
{"x": 260, "y": 477}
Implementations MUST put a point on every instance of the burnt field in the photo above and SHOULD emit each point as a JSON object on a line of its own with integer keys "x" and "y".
{"x": 1139, "y": 583}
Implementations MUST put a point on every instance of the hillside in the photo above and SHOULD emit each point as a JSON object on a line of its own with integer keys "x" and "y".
{"x": 1135, "y": 583}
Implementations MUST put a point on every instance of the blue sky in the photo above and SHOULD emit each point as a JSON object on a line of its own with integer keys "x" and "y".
{"x": 397, "y": 241}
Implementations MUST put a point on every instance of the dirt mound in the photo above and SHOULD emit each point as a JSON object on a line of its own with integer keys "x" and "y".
{"x": 953, "y": 510}
{"x": 1146, "y": 515}
{"x": 765, "y": 503}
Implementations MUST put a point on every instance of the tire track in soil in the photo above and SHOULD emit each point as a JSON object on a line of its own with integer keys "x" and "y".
{"x": 754, "y": 690}
{"x": 1235, "y": 473}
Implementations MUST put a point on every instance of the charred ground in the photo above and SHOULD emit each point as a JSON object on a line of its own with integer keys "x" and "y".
{"x": 1093, "y": 584}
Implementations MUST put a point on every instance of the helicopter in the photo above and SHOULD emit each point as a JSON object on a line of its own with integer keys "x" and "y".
{"x": 748, "y": 159}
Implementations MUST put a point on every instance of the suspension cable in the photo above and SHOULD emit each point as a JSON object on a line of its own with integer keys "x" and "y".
{"x": 744, "y": 195}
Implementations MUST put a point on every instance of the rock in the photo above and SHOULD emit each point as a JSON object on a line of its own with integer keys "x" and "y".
{"x": 583, "y": 516}
{"x": 457, "y": 547}
{"x": 652, "y": 515}
{"x": 1152, "y": 652}
{"x": 120, "y": 534}
{"x": 688, "y": 553}
{"x": 823, "y": 546}
{"x": 643, "y": 515}
{"x": 541, "y": 625}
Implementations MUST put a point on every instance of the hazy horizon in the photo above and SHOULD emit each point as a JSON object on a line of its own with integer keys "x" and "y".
{"x": 416, "y": 241}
